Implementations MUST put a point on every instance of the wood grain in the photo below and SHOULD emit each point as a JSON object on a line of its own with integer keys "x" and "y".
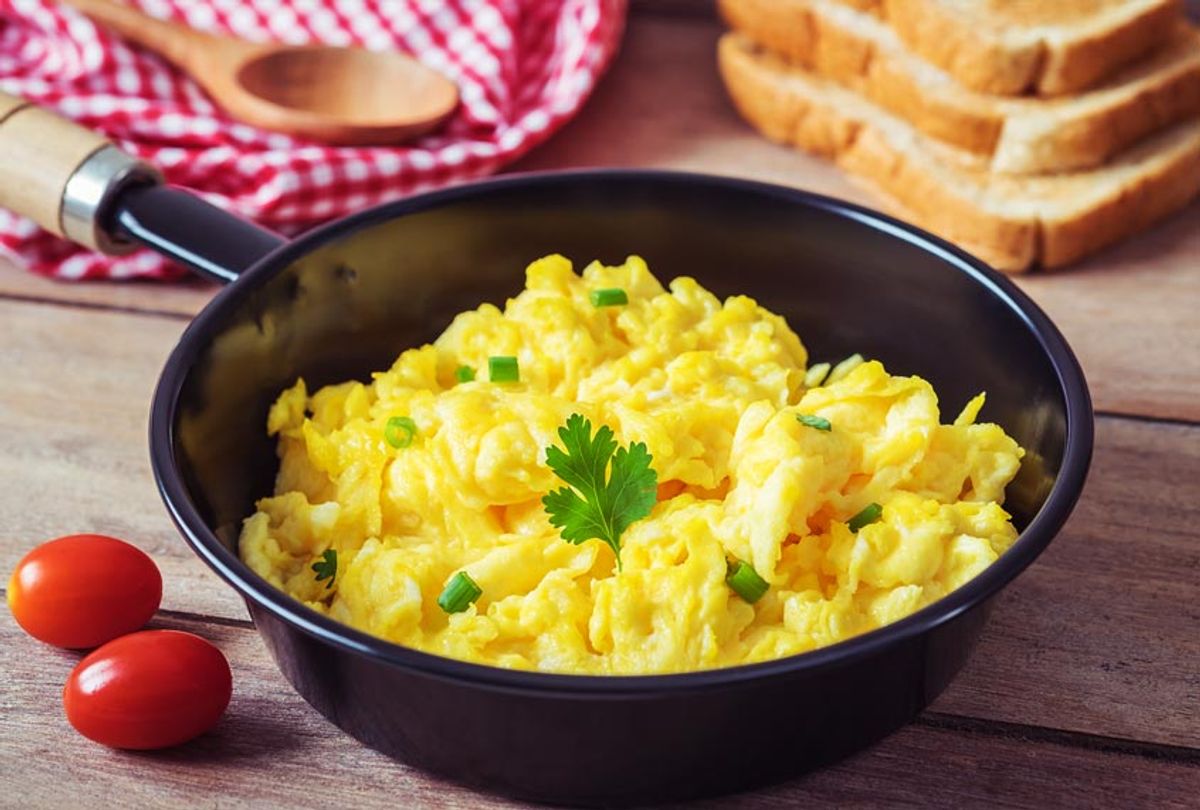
{"x": 73, "y": 444}
{"x": 1130, "y": 316}
{"x": 1066, "y": 648}
{"x": 269, "y": 750}
{"x": 180, "y": 299}
{"x": 1085, "y": 691}
{"x": 1128, "y": 312}
{"x": 272, "y": 750}
{"x": 1100, "y": 634}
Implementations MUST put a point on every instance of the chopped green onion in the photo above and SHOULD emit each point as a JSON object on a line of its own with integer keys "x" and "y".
{"x": 845, "y": 367}
{"x": 816, "y": 375}
{"x": 870, "y": 513}
{"x": 459, "y": 593}
{"x": 745, "y": 581}
{"x": 818, "y": 422}
{"x": 611, "y": 297}
{"x": 464, "y": 374}
{"x": 326, "y": 567}
{"x": 400, "y": 431}
{"x": 503, "y": 369}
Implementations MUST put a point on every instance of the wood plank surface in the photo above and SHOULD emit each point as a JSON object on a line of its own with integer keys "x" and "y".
{"x": 180, "y": 299}
{"x": 272, "y": 750}
{"x": 1102, "y": 633}
{"x": 73, "y": 446}
{"x": 1065, "y": 649}
{"x": 1084, "y": 692}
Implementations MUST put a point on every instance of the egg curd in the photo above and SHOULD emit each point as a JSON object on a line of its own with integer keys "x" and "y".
{"x": 715, "y": 390}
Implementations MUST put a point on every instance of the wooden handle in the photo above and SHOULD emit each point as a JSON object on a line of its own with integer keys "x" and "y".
{"x": 173, "y": 41}
{"x": 39, "y": 152}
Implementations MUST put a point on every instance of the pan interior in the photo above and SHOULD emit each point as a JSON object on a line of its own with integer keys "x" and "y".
{"x": 394, "y": 278}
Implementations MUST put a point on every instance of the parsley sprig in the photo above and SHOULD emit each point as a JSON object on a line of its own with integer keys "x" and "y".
{"x": 598, "y": 503}
{"x": 326, "y": 567}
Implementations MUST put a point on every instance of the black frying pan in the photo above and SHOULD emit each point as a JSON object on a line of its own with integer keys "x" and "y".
{"x": 347, "y": 298}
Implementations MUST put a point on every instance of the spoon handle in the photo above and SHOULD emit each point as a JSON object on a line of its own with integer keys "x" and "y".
{"x": 174, "y": 42}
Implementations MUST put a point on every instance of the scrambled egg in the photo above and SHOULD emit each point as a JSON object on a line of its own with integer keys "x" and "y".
{"x": 713, "y": 389}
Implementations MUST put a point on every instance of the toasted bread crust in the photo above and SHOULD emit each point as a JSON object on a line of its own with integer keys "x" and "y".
{"x": 1084, "y": 62}
{"x": 870, "y": 6}
{"x": 792, "y": 29}
{"x": 1055, "y": 140}
{"x": 1143, "y": 201}
{"x": 1012, "y": 240}
{"x": 1026, "y": 136}
{"x": 979, "y": 58}
{"x": 1006, "y": 61}
{"x": 1011, "y": 225}
{"x": 793, "y": 119}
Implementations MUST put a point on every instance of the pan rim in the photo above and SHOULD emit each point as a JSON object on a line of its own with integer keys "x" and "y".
{"x": 1040, "y": 531}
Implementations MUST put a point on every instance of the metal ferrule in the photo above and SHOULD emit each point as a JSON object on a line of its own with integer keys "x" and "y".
{"x": 90, "y": 192}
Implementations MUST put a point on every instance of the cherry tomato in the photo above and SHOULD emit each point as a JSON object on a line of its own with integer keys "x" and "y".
{"x": 152, "y": 689}
{"x": 83, "y": 590}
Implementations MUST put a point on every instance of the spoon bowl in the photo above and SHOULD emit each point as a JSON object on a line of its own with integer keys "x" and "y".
{"x": 341, "y": 96}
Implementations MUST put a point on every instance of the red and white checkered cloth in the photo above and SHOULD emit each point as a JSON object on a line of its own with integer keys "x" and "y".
{"x": 523, "y": 67}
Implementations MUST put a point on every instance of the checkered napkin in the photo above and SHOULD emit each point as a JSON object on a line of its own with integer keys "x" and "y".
{"x": 522, "y": 67}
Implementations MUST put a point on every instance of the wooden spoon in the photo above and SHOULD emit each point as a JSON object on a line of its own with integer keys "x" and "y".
{"x": 347, "y": 96}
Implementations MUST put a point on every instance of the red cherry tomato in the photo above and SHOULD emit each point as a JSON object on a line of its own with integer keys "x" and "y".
{"x": 152, "y": 689}
{"x": 83, "y": 590}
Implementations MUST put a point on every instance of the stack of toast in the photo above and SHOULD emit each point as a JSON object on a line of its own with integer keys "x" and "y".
{"x": 1030, "y": 132}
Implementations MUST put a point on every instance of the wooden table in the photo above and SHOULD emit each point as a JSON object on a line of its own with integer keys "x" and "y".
{"x": 1085, "y": 691}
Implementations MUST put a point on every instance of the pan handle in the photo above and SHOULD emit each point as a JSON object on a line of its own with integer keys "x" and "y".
{"x": 76, "y": 184}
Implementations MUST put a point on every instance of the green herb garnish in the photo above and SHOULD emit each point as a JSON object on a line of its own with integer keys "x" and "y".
{"x": 326, "y": 567}
{"x": 745, "y": 581}
{"x": 816, "y": 375}
{"x": 845, "y": 367}
{"x": 503, "y": 369}
{"x": 869, "y": 514}
{"x": 612, "y": 297}
{"x": 400, "y": 431}
{"x": 459, "y": 593}
{"x": 464, "y": 374}
{"x": 596, "y": 506}
{"x": 818, "y": 422}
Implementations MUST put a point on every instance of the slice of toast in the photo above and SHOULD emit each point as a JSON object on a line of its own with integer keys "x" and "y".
{"x": 1025, "y": 135}
{"x": 1011, "y": 47}
{"x": 1012, "y": 222}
